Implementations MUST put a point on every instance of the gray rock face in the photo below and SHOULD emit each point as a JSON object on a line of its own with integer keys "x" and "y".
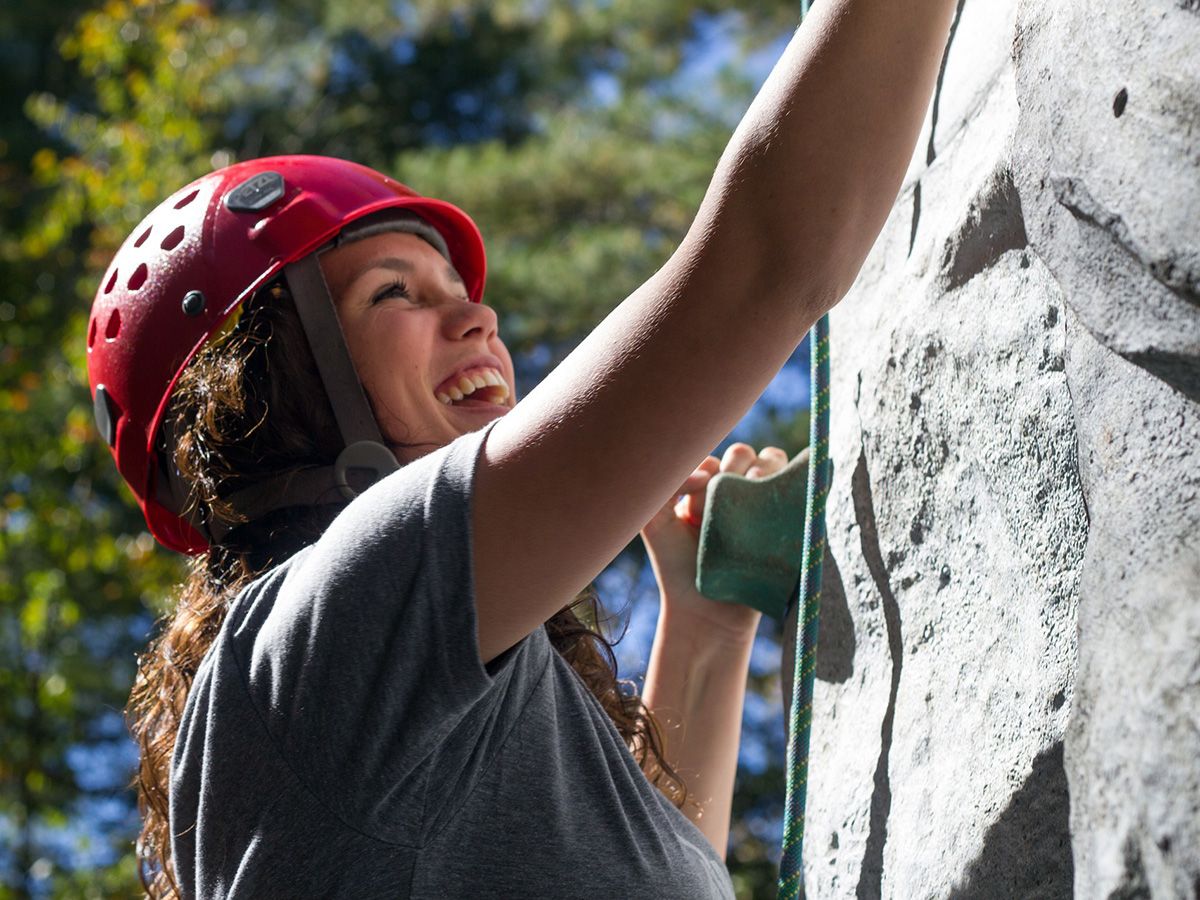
{"x": 1108, "y": 148}
{"x": 1008, "y": 702}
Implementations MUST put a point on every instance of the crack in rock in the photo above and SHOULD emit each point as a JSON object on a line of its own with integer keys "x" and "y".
{"x": 1177, "y": 272}
{"x": 870, "y": 880}
{"x": 931, "y": 150}
{"x": 1133, "y": 884}
{"x": 916, "y": 217}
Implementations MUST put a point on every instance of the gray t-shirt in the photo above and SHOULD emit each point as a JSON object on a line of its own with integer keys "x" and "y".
{"x": 342, "y": 738}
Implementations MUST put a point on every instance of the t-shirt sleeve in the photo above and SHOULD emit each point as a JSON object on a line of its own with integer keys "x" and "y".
{"x": 366, "y": 659}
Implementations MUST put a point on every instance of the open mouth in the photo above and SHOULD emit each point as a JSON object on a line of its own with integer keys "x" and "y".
{"x": 480, "y": 386}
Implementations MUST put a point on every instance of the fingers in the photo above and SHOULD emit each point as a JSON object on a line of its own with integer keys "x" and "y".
{"x": 770, "y": 461}
{"x": 690, "y": 506}
{"x": 741, "y": 459}
{"x": 701, "y": 476}
{"x": 738, "y": 458}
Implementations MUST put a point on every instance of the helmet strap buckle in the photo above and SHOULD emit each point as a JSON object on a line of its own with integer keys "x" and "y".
{"x": 364, "y": 463}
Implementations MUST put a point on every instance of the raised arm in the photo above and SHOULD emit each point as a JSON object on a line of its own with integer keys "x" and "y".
{"x": 570, "y": 475}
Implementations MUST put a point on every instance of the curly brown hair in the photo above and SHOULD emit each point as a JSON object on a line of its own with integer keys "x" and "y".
{"x": 250, "y": 407}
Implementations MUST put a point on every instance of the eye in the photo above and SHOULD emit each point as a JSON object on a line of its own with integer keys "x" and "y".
{"x": 396, "y": 288}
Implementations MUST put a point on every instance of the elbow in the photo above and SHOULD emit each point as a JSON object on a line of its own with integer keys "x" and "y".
{"x": 816, "y": 251}
{"x": 804, "y": 276}
{"x": 793, "y": 255}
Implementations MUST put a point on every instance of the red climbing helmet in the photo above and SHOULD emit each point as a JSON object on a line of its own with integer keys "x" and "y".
{"x": 193, "y": 261}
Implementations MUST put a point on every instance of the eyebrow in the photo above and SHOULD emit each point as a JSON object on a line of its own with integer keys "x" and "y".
{"x": 398, "y": 264}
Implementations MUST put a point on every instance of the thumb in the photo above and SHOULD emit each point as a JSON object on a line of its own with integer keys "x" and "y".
{"x": 690, "y": 506}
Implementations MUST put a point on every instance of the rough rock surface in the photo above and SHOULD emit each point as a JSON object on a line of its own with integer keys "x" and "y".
{"x": 1008, "y": 697}
{"x": 1108, "y": 150}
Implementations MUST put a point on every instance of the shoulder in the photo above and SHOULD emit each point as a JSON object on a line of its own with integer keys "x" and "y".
{"x": 430, "y": 494}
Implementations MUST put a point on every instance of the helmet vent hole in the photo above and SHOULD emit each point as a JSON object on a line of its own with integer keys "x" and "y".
{"x": 186, "y": 200}
{"x": 114, "y": 325}
{"x": 171, "y": 241}
{"x": 138, "y": 278}
{"x": 112, "y": 282}
{"x": 92, "y": 333}
{"x": 145, "y": 234}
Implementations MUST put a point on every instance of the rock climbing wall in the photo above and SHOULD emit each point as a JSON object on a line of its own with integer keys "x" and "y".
{"x": 1008, "y": 696}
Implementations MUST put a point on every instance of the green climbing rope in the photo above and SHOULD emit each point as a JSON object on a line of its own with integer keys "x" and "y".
{"x": 791, "y": 872}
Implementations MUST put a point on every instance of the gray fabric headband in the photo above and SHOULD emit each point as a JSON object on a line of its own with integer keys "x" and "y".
{"x": 391, "y": 220}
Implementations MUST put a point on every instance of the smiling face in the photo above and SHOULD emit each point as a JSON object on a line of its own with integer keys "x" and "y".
{"x": 431, "y": 361}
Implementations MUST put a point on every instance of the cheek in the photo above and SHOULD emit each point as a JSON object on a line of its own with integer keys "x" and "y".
{"x": 383, "y": 354}
{"x": 393, "y": 380}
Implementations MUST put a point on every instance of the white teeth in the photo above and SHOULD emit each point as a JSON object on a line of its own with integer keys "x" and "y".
{"x": 478, "y": 379}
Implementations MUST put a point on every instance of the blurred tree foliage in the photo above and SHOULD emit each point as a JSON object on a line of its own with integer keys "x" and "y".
{"x": 565, "y": 127}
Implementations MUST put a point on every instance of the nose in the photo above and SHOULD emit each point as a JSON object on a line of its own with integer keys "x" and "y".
{"x": 466, "y": 320}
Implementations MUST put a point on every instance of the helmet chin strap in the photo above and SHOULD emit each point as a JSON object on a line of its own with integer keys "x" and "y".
{"x": 364, "y": 460}
{"x": 315, "y": 306}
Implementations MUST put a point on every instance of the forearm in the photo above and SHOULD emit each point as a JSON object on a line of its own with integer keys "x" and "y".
{"x": 695, "y": 685}
{"x": 816, "y": 162}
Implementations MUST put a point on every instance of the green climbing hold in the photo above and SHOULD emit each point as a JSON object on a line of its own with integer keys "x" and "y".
{"x": 752, "y": 538}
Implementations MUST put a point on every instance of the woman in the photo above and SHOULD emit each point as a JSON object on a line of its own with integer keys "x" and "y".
{"x": 395, "y": 696}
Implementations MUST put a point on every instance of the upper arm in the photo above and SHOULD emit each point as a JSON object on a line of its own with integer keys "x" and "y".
{"x": 569, "y": 476}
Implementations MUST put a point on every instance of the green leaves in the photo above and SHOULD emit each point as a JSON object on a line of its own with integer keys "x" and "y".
{"x": 575, "y": 218}
{"x": 148, "y": 126}
{"x": 559, "y": 126}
